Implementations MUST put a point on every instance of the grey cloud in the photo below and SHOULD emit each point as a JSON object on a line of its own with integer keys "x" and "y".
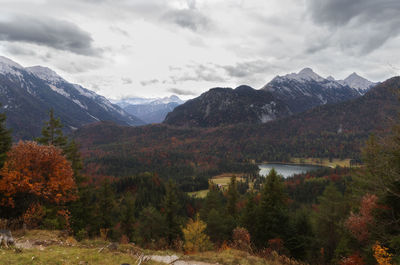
{"x": 149, "y": 82}
{"x": 198, "y": 72}
{"x": 187, "y": 18}
{"x": 357, "y": 26}
{"x": 341, "y": 12}
{"x": 126, "y": 80}
{"x": 57, "y": 34}
{"x": 17, "y": 50}
{"x": 183, "y": 92}
{"x": 247, "y": 69}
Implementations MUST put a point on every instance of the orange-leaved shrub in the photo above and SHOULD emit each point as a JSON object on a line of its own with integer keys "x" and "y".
{"x": 40, "y": 172}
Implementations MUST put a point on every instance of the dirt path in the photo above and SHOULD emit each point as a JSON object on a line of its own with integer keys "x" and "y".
{"x": 175, "y": 260}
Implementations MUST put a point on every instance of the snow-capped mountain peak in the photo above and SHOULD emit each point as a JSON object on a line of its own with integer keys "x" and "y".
{"x": 307, "y": 74}
{"x": 8, "y": 66}
{"x": 45, "y": 73}
{"x": 166, "y": 100}
{"x": 357, "y": 82}
{"x": 153, "y": 101}
{"x": 330, "y": 78}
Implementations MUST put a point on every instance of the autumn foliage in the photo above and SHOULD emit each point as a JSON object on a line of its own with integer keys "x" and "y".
{"x": 381, "y": 254}
{"x": 39, "y": 172}
{"x": 359, "y": 224}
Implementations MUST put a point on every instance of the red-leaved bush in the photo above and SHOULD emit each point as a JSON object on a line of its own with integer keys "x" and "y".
{"x": 359, "y": 224}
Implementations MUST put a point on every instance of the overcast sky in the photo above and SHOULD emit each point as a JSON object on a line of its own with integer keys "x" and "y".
{"x": 153, "y": 48}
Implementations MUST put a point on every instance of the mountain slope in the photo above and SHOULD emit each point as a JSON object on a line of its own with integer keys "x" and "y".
{"x": 222, "y": 106}
{"x": 306, "y": 89}
{"x": 27, "y": 94}
{"x": 357, "y": 82}
{"x": 150, "y": 110}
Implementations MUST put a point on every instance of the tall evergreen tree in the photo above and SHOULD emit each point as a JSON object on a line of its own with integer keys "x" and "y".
{"x": 332, "y": 211}
{"x": 106, "y": 206}
{"x": 52, "y": 132}
{"x": 128, "y": 215}
{"x": 272, "y": 213}
{"x": 233, "y": 196}
{"x": 5, "y": 139}
{"x": 52, "y": 135}
{"x": 248, "y": 218}
{"x": 171, "y": 209}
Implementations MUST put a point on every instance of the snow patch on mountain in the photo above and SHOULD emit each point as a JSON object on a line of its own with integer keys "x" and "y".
{"x": 59, "y": 91}
{"x": 8, "y": 66}
{"x": 307, "y": 74}
{"x": 357, "y": 82}
{"x": 45, "y": 73}
{"x": 145, "y": 101}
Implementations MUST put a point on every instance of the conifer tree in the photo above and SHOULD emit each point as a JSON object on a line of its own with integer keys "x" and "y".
{"x": 5, "y": 139}
{"x": 171, "y": 208}
{"x": 128, "y": 215}
{"x": 52, "y": 132}
{"x": 248, "y": 218}
{"x": 52, "y": 135}
{"x": 272, "y": 214}
{"x": 332, "y": 210}
{"x": 233, "y": 196}
{"x": 106, "y": 207}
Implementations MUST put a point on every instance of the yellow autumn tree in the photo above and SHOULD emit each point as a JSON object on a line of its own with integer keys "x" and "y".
{"x": 381, "y": 255}
{"x": 195, "y": 237}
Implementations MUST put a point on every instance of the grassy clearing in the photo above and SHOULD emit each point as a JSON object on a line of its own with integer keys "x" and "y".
{"x": 63, "y": 255}
{"x": 222, "y": 180}
{"x": 52, "y": 247}
{"x": 225, "y": 178}
{"x": 322, "y": 161}
{"x": 198, "y": 194}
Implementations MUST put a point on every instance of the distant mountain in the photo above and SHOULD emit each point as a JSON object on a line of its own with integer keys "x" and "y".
{"x": 282, "y": 97}
{"x": 27, "y": 94}
{"x": 306, "y": 89}
{"x": 223, "y": 106}
{"x": 150, "y": 110}
{"x": 357, "y": 82}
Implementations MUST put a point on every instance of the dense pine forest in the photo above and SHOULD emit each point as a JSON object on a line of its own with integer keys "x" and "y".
{"x": 329, "y": 216}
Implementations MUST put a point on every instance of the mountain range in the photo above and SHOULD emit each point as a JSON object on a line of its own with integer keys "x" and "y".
{"x": 28, "y": 93}
{"x": 150, "y": 110}
{"x": 283, "y": 96}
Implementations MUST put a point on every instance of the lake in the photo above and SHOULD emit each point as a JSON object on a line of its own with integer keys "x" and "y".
{"x": 286, "y": 170}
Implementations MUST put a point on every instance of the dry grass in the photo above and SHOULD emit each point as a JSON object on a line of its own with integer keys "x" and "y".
{"x": 222, "y": 179}
{"x": 52, "y": 247}
{"x": 198, "y": 194}
{"x": 63, "y": 255}
{"x": 322, "y": 162}
{"x": 227, "y": 257}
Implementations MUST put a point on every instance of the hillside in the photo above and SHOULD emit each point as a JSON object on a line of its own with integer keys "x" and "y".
{"x": 222, "y": 106}
{"x": 332, "y": 130}
{"x": 27, "y": 95}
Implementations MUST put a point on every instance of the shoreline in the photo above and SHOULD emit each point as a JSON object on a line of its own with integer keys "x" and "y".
{"x": 295, "y": 164}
